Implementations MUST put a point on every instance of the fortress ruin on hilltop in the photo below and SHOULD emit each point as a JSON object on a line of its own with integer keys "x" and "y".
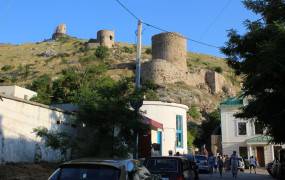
{"x": 169, "y": 61}
{"x": 169, "y": 65}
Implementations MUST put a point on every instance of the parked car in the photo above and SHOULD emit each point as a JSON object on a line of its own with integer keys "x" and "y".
{"x": 202, "y": 163}
{"x": 280, "y": 165}
{"x": 269, "y": 168}
{"x": 194, "y": 166}
{"x": 89, "y": 169}
{"x": 170, "y": 167}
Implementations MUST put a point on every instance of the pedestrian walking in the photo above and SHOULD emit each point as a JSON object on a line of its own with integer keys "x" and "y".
{"x": 215, "y": 163}
{"x": 234, "y": 162}
{"x": 220, "y": 164}
{"x": 252, "y": 164}
{"x": 211, "y": 162}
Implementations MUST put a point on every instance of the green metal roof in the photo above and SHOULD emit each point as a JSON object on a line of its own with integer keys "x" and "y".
{"x": 233, "y": 101}
{"x": 259, "y": 139}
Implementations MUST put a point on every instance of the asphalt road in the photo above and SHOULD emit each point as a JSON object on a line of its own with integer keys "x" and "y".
{"x": 261, "y": 174}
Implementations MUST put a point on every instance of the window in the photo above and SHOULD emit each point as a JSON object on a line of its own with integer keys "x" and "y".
{"x": 179, "y": 131}
{"x": 258, "y": 129}
{"x": 242, "y": 128}
{"x": 243, "y": 152}
{"x": 111, "y": 38}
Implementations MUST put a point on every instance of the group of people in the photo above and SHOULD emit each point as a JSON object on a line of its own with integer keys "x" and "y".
{"x": 229, "y": 163}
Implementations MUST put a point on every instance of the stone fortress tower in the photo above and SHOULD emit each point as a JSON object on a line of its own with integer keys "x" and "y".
{"x": 170, "y": 47}
{"x": 60, "y": 31}
{"x": 106, "y": 38}
{"x": 169, "y": 65}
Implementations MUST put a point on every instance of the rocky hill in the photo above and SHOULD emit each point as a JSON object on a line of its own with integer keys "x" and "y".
{"x": 21, "y": 64}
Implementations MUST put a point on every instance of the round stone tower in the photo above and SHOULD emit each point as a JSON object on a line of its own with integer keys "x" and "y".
{"x": 171, "y": 47}
{"x": 60, "y": 31}
{"x": 106, "y": 38}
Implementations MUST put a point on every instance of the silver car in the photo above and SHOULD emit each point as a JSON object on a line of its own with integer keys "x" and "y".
{"x": 202, "y": 163}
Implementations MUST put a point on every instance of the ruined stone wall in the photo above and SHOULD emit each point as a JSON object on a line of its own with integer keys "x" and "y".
{"x": 106, "y": 38}
{"x": 162, "y": 72}
{"x": 171, "y": 47}
{"x": 215, "y": 81}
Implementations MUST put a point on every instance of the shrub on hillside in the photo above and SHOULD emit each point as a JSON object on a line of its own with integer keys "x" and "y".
{"x": 7, "y": 67}
{"x": 126, "y": 49}
{"x": 102, "y": 52}
{"x": 148, "y": 51}
{"x": 218, "y": 70}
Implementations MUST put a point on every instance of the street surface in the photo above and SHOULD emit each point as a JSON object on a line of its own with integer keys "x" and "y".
{"x": 261, "y": 174}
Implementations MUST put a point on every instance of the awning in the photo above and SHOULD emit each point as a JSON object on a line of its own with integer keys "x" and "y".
{"x": 152, "y": 123}
{"x": 262, "y": 139}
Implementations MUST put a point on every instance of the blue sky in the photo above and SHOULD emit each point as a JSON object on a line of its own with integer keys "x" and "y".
{"x": 24, "y": 21}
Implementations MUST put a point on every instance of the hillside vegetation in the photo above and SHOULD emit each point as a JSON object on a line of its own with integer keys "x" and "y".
{"x": 21, "y": 64}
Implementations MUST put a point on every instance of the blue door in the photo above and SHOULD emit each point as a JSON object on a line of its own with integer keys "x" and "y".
{"x": 159, "y": 140}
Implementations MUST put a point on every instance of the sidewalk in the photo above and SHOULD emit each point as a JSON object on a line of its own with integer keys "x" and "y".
{"x": 261, "y": 174}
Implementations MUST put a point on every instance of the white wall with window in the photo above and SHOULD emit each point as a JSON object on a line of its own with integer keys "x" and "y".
{"x": 174, "y": 120}
{"x": 244, "y": 136}
{"x": 18, "y": 118}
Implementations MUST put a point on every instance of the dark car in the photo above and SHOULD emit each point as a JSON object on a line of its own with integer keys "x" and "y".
{"x": 280, "y": 165}
{"x": 202, "y": 163}
{"x": 269, "y": 168}
{"x": 193, "y": 163}
{"x": 170, "y": 168}
{"x": 89, "y": 169}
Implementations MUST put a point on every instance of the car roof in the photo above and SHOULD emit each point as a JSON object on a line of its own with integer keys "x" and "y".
{"x": 117, "y": 163}
{"x": 200, "y": 155}
{"x": 168, "y": 157}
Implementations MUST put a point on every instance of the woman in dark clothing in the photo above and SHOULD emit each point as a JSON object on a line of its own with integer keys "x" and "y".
{"x": 220, "y": 164}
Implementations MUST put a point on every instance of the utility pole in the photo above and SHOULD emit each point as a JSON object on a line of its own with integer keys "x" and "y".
{"x": 138, "y": 58}
{"x": 136, "y": 104}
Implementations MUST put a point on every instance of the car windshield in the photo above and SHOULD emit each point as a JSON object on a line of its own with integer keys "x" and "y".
{"x": 190, "y": 157}
{"x": 201, "y": 158}
{"x": 162, "y": 165}
{"x": 89, "y": 172}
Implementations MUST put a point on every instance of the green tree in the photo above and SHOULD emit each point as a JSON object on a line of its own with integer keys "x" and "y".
{"x": 212, "y": 122}
{"x": 43, "y": 86}
{"x": 259, "y": 55}
{"x": 107, "y": 126}
{"x": 194, "y": 113}
{"x": 192, "y": 134}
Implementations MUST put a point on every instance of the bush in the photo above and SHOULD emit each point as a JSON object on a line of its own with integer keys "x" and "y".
{"x": 148, "y": 51}
{"x": 194, "y": 113}
{"x": 102, "y": 52}
{"x": 218, "y": 70}
{"x": 126, "y": 49}
{"x": 87, "y": 59}
{"x": 7, "y": 67}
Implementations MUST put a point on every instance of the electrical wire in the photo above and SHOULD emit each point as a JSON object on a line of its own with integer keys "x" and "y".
{"x": 161, "y": 29}
{"x": 215, "y": 19}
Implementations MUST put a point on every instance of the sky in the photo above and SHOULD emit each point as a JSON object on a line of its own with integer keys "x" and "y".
{"x": 23, "y": 21}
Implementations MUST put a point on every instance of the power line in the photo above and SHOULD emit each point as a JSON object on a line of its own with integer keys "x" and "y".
{"x": 161, "y": 29}
{"x": 215, "y": 19}
{"x": 127, "y": 9}
{"x": 199, "y": 42}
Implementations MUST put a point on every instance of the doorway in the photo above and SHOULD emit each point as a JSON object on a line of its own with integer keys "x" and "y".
{"x": 260, "y": 156}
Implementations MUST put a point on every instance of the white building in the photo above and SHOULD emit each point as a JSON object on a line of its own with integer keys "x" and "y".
{"x": 169, "y": 125}
{"x": 16, "y": 91}
{"x": 243, "y": 136}
{"x": 18, "y": 118}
